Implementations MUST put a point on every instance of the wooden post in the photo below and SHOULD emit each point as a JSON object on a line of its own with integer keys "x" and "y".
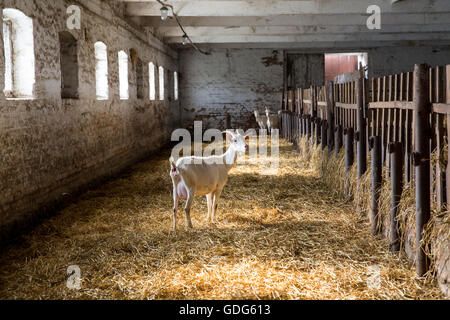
{"x": 361, "y": 124}
{"x": 323, "y": 134}
{"x": 395, "y": 150}
{"x": 408, "y": 145}
{"x": 330, "y": 116}
{"x": 308, "y": 130}
{"x": 440, "y": 176}
{"x": 338, "y": 139}
{"x": 377, "y": 168}
{"x": 421, "y": 160}
{"x": 349, "y": 157}
{"x": 300, "y": 112}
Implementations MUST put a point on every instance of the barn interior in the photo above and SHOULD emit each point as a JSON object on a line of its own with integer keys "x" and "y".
{"x": 90, "y": 93}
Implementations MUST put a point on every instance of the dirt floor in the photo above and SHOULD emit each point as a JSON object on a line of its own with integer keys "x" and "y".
{"x": 281, "y": 236}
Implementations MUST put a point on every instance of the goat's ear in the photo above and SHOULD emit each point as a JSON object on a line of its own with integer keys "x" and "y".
{"x": 230, "y": 135}
{"x": 250, "y": 134}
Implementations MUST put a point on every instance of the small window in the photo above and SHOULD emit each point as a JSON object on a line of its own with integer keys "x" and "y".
{"x": 19, "y": 54}
{"x": 123, "y": 75}
{"x": 69, "y": 65}
{"x": 101, "y": 71}
{"x": 151, "y": 80}
{"x": 161, "y": 83}
{"x": 175, "y": 85}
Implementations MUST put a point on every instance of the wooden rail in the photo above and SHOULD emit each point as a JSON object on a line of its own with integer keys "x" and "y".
{"x": 407, "y": 113}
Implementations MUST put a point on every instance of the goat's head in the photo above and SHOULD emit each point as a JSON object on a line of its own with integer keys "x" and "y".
{"x": 237, "y": 140}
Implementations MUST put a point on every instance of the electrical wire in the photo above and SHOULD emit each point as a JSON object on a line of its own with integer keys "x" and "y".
{"x": 181, "y": 27}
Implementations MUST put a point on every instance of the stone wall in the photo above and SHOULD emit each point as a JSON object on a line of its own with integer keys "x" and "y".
{"x": 51, "y": 147}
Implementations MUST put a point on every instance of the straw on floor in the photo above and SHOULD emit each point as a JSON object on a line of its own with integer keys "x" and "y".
{"x": 283, "y": 236}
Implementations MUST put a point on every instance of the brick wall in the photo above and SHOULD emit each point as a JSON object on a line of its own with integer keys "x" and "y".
{"x": 229, "y": 83}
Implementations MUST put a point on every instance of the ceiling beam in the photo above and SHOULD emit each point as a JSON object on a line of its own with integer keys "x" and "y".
{"x": 313, "y": 38}
{"x": 320, "y": 46}
{"x": 219, "y": 8}
{"x": 301, "y": 20}
{"x": 300, "y": 30}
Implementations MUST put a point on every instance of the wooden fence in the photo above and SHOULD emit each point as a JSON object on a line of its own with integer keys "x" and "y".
{"x": 400, "y": 119}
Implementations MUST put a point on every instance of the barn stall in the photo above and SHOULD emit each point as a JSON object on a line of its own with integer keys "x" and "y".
{"x": 356, "y": 210}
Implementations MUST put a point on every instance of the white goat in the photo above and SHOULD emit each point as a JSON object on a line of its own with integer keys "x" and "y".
{"x": 206, "y": 176}
{"x": 262, "y": 120}
{"x": 273, "y": 120}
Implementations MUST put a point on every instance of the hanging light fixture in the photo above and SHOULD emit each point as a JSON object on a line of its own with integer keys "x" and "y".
{"x": 164, "y": 12}
{"x": 185, "y": 39}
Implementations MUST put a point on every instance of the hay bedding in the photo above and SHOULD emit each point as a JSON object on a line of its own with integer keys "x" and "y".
{"x": 285, "y": 236}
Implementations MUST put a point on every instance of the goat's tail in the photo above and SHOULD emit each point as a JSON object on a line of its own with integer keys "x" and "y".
{"x": 172, "y": 163}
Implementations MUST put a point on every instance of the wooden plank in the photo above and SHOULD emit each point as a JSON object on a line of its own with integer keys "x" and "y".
{"x": 380, "y": 90}
{"x": 439, "y": 93}
{"x": 408, "y": 145}
{"x": 374, "y": 90}
{"x": 373, "y": 121}
{"x": 406, "y": 105}
{"x": 377, "y": 122}
{"x": 401, "y": 126}
{"x": 391, "y": 88}
{"x": 409, "y": 86}
{"x": 346, "y": 105}
{"x": 389, "y": 133}
{"x": 432, "y": 79}
{"x": 396, "y": 87}
{"x": 385, "y": 89}
{"x": 354, "y": 92}
{"x": 440, "y": 176}
{"x": 383, "y": 133}
{"x": 402, "y": 87}
{"x": 347, "y": 93}
{"x": 395, "y": 127}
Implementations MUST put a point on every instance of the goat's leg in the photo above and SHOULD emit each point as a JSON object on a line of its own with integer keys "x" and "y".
{"x": 216, "y": 197}
{"x": 187, "y": 208}
{"x": 175, "y": 207}
{"x": 209, "y": 204}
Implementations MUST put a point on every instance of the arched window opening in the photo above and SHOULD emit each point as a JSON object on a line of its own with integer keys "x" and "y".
{"x": 19, "y": 54}
{"x": 161, "y": 83}
{"x": 151, "y": 80}
{"x": 69, "y": 65}
{"x": 123, "y": 75}
{"x": 101, "y": 71}
{"x": 175, "y": 85}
